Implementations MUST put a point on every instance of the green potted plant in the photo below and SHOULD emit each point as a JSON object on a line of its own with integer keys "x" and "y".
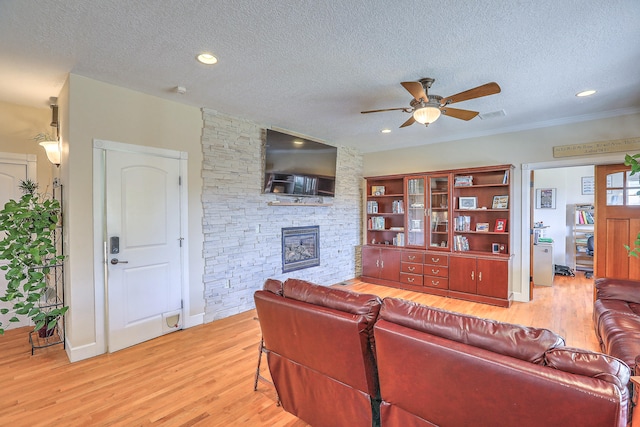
{"x": 29, "y": 248}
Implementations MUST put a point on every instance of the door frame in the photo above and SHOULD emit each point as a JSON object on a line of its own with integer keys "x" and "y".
{"x": 527, "y": 201}
{"x": 100, "y": 256}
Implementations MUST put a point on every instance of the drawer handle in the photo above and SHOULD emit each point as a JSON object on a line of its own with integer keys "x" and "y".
{"x": 435, "y": 259}
{"x": 410, "y": 279}
{"x": 434, "y": 271}
{"x": 435, "y": 282}
{"x": 411, "y": 269}
{"x": 411, "y": 257}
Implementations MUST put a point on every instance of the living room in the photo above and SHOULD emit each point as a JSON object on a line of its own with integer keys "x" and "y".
{"x": 234, "y": 236}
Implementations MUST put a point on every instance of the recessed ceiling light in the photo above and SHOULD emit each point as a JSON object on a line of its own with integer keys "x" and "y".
{"x": 207, "y": 58}
{"x": 586, "y": 93}
{"x": 298, "y": 142}
{"x": 385, "y": 131}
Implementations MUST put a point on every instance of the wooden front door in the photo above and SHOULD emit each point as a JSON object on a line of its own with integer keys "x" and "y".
{"x": 617, "y": 222}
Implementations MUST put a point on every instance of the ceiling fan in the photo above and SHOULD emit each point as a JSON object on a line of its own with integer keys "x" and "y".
{"x": 426, "y": 109}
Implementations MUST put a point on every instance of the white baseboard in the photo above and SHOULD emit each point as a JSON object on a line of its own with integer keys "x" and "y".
{"x": 76, "y": 354}
{"x": 191, "y": 321}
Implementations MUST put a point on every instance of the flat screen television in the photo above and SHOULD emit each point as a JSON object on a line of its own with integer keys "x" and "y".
{"x": 298, "y": 166}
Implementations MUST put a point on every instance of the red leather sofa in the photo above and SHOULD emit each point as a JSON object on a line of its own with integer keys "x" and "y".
{"x": 438, "y": 368}
{"x": 332, "y": 353}
{"x": 320, "y": 352}
{"x": 616, "y": 318}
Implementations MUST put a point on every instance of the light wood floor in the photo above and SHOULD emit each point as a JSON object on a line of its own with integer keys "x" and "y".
{"x": 203, "y": 376}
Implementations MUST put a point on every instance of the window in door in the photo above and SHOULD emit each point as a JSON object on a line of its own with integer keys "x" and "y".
{"x": 623, "y": 189}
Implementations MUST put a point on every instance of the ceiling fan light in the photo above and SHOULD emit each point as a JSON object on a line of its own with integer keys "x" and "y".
{"x": 426, "y": 115}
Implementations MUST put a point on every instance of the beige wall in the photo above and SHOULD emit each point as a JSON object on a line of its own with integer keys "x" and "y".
{"x": 95, "y": 110}
{"x": 518, "y": 148}
{"x": 18, "y": 125}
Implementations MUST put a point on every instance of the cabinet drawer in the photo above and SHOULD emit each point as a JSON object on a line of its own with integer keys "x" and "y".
{"x": 408, "y": 267}
{"x": 436, "y": 282}
{"x": 436, "y": 259}
{"x": 411, "y": 279}
{"x": 436, "y": 270}
{"x": 416, "y": 257}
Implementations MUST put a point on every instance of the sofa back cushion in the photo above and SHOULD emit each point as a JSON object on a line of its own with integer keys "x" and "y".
{"x": 522, "y": 342}
{"x": 619, "y": 289}
{"x": 338, "y": 299}
{"x": 590, "y": 364}
{"x": 273, "y": 285}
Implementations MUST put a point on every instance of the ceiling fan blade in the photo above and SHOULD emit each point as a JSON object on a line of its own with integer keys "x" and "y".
{"x": 477, "y": 92}
{"x": 408, "y": 122}
{"x": 459, "y": 114}
{"x": 379, "y": 111}
{"x": 415, "y": 89}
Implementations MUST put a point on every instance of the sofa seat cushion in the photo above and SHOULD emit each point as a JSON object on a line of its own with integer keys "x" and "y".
{"x": 522, "y": 342}
{"x": 612, "y": 324}
{"x": 626, "y": 347}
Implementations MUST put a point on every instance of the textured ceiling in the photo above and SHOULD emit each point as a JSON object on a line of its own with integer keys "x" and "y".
{"x": 311, "y": 66}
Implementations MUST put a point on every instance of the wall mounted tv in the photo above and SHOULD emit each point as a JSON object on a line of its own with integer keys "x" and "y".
{"x": 298, "y": 166}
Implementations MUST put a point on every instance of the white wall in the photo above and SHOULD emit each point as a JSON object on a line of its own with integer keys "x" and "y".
{"x": 567, "y": 182}
{"x": 518, "y": 148}
{"x": 94, "y": 110}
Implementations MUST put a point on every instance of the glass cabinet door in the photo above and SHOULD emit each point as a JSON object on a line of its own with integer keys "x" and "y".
{"x": 439, "y": 211}
{"x": 415, "y": 212}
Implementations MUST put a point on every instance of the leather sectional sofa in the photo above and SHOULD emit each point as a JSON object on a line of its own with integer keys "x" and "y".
{"x": 616, "y": 318}
{"x": 339, "y": 358}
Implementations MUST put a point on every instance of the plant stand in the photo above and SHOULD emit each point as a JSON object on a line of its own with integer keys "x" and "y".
{"x": 54, "y": 296}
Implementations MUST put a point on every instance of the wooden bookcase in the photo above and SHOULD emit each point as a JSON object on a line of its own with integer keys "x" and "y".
{"x": 443, "y": 232}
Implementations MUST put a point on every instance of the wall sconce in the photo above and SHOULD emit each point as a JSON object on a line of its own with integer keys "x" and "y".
{"x": 53, "y": 151}
{"x": 51, "y": 143}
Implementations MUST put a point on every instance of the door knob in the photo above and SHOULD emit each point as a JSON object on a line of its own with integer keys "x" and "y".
{"x": 115, "y": 261}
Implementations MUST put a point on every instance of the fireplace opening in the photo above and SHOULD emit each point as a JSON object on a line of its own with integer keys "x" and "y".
{"x": 300, "y": 248}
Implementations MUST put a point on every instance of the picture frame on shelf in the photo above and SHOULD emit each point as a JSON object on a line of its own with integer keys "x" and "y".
{"x": 500, "y": 202}
{"x": 495, "y": 248}
{"x": 482, "y": 227}
{"x": 377, "y": 190}
{"x": 463, "y": 181}
{"x": 467, "y": 202}
{"x": 545, "y": 198}
{"x": 501, "y": 225}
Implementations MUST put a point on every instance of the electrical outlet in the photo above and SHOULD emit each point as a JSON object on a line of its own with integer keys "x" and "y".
{"x": 227, "y": 284}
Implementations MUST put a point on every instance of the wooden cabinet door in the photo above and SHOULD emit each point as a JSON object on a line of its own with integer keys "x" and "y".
{"x": 493, "y": 278}
{"x": 370, "y": 261}
{"x": 390, "y": 264}
{"x": 462, "y": 274}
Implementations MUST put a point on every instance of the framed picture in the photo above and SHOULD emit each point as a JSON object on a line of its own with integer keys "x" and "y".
{"x": 500, "y": 202}
{"x": 495, "y": 248}
{"x": 545, "y": 198}
{"x": 482, "y": 226}
{"x": 463, "y": 181}
{"x": 377, "y": 190}
{"x": 467, "y": 202}
{"x": 588, "y": 185}
{"x": 501, "y": 225}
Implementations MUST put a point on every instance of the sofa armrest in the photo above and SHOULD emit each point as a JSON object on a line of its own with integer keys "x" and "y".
{"x": 619, "y": 289}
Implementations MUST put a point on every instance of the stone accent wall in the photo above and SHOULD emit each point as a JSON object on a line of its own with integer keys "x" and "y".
{"x": 242, "y": 233}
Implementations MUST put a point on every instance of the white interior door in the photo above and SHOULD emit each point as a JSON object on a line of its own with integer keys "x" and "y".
{"x": 10, "y": 176}
{"x": 143, "y": 247}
